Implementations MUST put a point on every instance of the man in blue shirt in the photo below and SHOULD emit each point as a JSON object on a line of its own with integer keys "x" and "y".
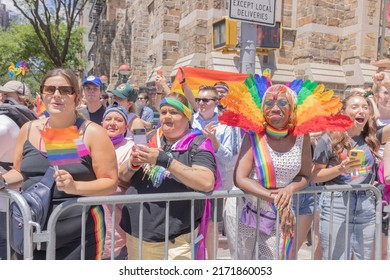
{"x": 206, "y": 119}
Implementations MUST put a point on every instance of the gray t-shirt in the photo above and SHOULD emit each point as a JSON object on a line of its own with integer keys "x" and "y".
{"x": 323, "y": 154}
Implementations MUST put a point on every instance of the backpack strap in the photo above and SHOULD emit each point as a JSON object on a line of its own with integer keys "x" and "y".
{"x": 11, "y": 101}
{"x": 198, "y": 140}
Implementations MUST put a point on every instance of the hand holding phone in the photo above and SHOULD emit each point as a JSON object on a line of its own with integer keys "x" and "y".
{"x": 140, "y": 137}
{"x": 357, "y": 155}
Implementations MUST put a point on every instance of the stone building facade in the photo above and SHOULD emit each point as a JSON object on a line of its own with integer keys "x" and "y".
{"x": 329, "y": 41}
{"x": 4, "y": 16}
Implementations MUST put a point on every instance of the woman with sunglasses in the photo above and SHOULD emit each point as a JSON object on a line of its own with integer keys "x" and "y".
{"x": 291, "y": 159}
{"x": 169, "y": 163}
{"x": 97, "y": 174}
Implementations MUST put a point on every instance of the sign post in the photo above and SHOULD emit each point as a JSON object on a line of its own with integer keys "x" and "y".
{"x": 251, "y": 12}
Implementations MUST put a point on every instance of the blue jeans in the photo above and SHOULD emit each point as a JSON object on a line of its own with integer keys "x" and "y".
{"x": 3, "y": 238}
{"x": 306, "y": 204}
{"x": 361, "y": 225}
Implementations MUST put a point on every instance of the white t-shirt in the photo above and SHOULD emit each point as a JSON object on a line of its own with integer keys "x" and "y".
{"x": 382, "y": 122}
{"x": 9, "y": 132}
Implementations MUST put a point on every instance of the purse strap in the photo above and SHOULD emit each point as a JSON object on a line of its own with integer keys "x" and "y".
{"x": 48, "y": 178}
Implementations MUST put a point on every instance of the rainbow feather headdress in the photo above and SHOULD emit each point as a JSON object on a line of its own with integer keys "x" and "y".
{"x": 316, "y": 109}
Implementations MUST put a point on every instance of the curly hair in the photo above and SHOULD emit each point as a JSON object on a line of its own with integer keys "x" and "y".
{"x": 341, "y": 140}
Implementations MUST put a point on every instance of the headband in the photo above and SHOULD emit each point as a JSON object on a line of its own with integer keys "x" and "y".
{"x": 115, "y": 107}
{"x": 222, "y": 87}
{"x": 187, "y": 111}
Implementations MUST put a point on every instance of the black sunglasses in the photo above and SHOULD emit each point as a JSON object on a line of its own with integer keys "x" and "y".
{"x": 279, "y": 103}
{"x": 204, "y": 100}
{"x": 64, "y": 90}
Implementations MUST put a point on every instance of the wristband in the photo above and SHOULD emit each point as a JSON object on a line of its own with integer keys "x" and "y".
{"x": 163, "y": 159}
{"x": 132, "y": 168}
{"x": 183, "y": 81}
{"x": 159, "y": 93}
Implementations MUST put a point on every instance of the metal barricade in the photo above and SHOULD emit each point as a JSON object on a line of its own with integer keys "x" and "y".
{"x": 49, "y": 236}
{"x": 9, "y": 196}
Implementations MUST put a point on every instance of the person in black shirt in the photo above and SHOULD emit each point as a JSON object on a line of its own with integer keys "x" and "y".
{"x": 92, "y": 90}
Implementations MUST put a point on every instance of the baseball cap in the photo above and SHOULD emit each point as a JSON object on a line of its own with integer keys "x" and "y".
{"x": 93, "y": 80}
{"x": 16, "y": 86}
{"x": 125, "y": 91}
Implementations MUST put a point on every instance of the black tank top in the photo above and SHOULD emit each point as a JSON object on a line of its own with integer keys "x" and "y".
{"x": 35, "y": 163}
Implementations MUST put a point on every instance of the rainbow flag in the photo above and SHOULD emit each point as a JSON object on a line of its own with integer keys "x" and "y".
{"x": 61, "y": 145}
{"x": 196, "y": 77}
{"x": 41, "y": 108}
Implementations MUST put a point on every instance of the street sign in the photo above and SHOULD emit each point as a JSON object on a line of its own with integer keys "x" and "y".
{"x": 253, "y": 11}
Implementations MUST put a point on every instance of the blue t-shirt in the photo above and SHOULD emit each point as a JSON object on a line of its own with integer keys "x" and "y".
{"x": 323, "y": 154}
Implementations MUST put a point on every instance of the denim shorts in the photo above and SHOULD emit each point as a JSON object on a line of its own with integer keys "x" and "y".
{"x": 306, "y": 204}
{"x": 361, "y": 225}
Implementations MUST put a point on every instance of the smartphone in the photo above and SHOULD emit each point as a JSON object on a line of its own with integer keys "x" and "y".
{"x": 357, "y": 154}
{"x": 140, "y": 137}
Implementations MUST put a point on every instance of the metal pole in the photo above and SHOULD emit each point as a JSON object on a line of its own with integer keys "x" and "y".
{"x": 248, "y": 48}
{"x": 383, "y": 33}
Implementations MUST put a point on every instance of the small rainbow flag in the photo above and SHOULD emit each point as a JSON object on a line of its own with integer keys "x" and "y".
{"x": 41, "y": 108}
{"x": 62, "y": 145}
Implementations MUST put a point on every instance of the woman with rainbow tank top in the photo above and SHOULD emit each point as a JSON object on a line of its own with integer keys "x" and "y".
{"x": 85, "y": 165}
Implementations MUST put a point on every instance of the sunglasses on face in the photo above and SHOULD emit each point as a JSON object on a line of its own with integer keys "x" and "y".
{"x": 279, "y": 103}
{"x": 204, "y": 100}
{"x": 63, "y": 90}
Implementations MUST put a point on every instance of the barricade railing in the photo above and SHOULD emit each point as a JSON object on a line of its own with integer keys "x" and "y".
{"x": 49, "y": 236}
{"x": 9, "y": 196}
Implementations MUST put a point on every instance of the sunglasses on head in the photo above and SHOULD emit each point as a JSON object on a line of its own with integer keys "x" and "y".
{"x": 63, "y": 90}
{"x": 204, "y": 100}
{"x": 279, "y": 103}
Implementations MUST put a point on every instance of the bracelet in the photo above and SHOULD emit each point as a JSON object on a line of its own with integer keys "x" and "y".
{"x": 159, "y": 93}
{"x": 163, "y": 159}
{"x": 132, "y": 168}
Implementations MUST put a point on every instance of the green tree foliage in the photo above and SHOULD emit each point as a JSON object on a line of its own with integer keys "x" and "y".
{"x": 20, "y": 42}
{"x": 54, "y": 23}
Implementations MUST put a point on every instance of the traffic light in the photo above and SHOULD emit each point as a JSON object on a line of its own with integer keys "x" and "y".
{"x": 224, "y": 34}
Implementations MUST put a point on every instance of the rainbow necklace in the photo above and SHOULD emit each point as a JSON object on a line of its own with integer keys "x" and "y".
{"x": 276, "y": 132}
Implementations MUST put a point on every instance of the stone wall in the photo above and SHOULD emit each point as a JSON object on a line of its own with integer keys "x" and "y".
{"x": 325, "y": 40}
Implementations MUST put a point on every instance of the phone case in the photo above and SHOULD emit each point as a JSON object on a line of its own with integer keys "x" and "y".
{"x": 357, "y": 154}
